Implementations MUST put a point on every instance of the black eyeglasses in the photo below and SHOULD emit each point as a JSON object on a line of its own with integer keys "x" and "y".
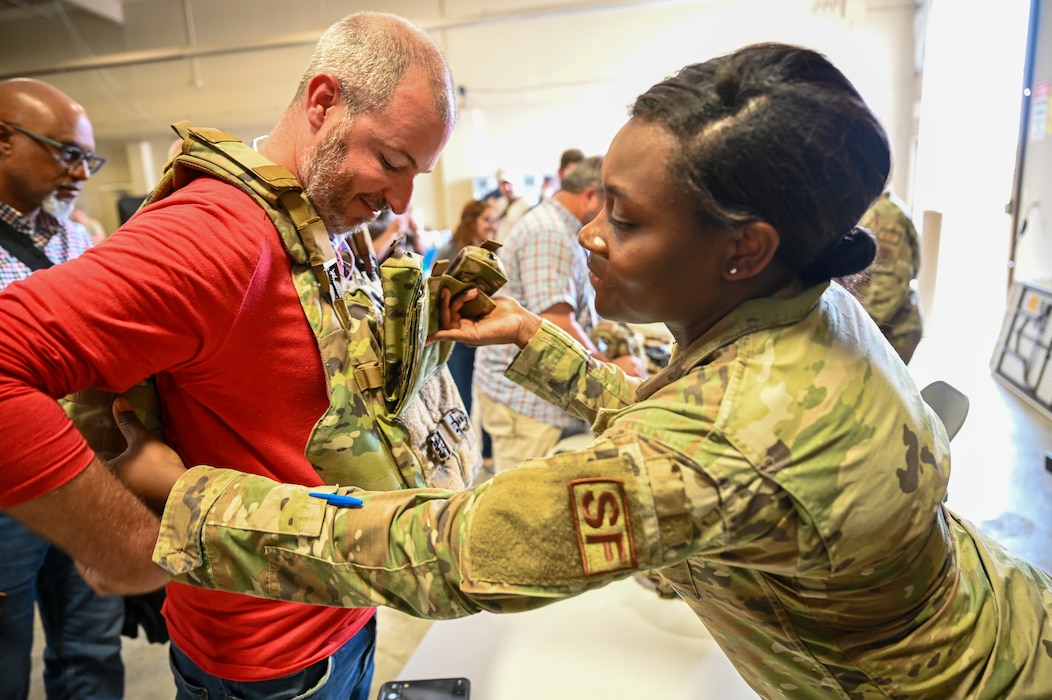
{"x": 70, "y": 155}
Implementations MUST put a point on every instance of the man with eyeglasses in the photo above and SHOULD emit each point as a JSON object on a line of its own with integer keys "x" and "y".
{"x": 46, "y": 150}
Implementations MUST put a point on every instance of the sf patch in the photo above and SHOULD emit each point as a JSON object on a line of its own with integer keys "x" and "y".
{"x": 604, "y": 530}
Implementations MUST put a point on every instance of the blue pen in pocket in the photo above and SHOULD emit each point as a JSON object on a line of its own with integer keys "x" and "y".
{"x": 339, "y": 500}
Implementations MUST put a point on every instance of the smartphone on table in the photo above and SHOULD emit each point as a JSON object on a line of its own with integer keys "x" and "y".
{"x": 426, "y": 689}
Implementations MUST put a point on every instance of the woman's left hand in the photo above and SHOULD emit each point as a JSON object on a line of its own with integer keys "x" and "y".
{"x": 149, "y": 468}
{"x": 508, "y": 322}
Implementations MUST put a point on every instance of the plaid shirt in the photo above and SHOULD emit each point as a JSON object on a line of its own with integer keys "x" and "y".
{"x": 60, "y": 241}
{"x": 545, "y": 265}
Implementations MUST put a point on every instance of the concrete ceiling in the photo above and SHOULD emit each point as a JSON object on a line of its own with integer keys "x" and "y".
{"x": 111, "y": 10}
{"x": 139, "y": 65}
{"x": 232, "y": 63}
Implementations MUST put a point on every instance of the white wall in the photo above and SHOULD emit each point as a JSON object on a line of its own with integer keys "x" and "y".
{"x": 524, "y": 104}
{"x": 540, "y": 76}
{"x": 966, "y": 158}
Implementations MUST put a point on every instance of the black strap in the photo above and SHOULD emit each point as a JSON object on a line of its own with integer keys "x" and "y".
{"x": 22, "y": 248}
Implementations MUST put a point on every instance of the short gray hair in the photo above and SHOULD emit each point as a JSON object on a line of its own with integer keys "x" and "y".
{"x": 588, "y": 173}
{"x": 370, "y": 53}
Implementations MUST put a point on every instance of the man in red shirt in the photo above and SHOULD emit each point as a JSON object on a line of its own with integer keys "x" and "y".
{"x": 196, "y": 290}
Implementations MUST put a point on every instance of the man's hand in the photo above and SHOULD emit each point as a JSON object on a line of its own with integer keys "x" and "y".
{"x": 103, "y": 585}
{"x": 105, "y": 528}
{"x": 149, "y": 468}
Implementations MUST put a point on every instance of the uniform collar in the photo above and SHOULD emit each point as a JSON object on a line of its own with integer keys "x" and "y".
{"x": 781, "y": 309}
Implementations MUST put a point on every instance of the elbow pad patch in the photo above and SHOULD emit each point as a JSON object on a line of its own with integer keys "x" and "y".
{"x": 554, "y": 523}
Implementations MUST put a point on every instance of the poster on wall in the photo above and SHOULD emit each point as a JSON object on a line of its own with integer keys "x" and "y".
{"x": 1022, "y": 359}
{"x": 1039, "y": 111}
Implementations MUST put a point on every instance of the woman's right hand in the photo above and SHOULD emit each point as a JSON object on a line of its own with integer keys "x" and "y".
{"x": 507, "y": 323}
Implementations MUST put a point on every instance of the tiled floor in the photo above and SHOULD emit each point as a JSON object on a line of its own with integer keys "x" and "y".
{"x": 999, "y": 481}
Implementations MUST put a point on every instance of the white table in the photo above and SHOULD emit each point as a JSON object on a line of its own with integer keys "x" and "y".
{"x": 618, "y": 643}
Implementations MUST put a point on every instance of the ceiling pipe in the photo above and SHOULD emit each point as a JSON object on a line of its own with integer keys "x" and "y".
{"x": 30, "y": 8}
{"x": 197, "y": 76}
{"x": 112, "y": 10}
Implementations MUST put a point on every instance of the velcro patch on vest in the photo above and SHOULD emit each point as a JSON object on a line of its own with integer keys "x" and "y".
{"x": 604, "y": 529}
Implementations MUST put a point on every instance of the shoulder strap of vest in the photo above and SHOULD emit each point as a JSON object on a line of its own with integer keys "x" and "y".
{"x": 222, "y": 155}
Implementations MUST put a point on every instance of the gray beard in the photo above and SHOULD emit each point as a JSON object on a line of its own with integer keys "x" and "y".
{"x": 317, "y": 172}
{"x": 61, "y": 209}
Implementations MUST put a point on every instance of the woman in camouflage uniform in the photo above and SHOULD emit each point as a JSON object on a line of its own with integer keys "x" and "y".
{"x": 782, "y": 473}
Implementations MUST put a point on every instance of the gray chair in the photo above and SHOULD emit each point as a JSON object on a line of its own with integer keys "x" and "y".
{"x": 949, "y": 404}
{"x": 574, "y": 442}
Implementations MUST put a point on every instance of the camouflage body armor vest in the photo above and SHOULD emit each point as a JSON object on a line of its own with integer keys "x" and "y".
{"x": 395, "y": 418}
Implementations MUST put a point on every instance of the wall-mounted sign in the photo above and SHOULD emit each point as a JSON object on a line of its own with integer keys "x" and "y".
{"x": 1039, "y": 111}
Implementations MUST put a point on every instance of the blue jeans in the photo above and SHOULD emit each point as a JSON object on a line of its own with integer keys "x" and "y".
{"x": 82, "y": 659}
{"x": 461, "y": 364}
{"x": 346, "y": 675}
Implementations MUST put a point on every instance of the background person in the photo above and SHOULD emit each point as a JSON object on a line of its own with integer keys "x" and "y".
{"x": 783, "y": 473}
{"x": 569, "y": 160}
{"x": 508, "y": 204}
{"x": 62, "y": 204}
{"x": 887, "y": 288}
{"x": 47, "y": 152}
{"x": 390, "y": 229}
{"x": 478, "y": 224}
{"x": 206, "y": 302}
{"x": 548, "y": 274}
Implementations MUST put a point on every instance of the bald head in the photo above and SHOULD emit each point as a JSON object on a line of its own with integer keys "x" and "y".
{"x": 33, "y": 114}
{"x": 26, "y": 101}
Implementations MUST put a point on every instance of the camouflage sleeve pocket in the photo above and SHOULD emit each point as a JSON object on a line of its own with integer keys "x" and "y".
{"x": 256, "y": 504}
{"x": 228, "y": 518}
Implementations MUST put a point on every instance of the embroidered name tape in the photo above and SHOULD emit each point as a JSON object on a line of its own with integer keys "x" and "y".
{"x": 604, "y": 529}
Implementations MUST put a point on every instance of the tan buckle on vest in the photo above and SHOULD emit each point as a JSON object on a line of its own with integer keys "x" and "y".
{"x": 369, "y": 376}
